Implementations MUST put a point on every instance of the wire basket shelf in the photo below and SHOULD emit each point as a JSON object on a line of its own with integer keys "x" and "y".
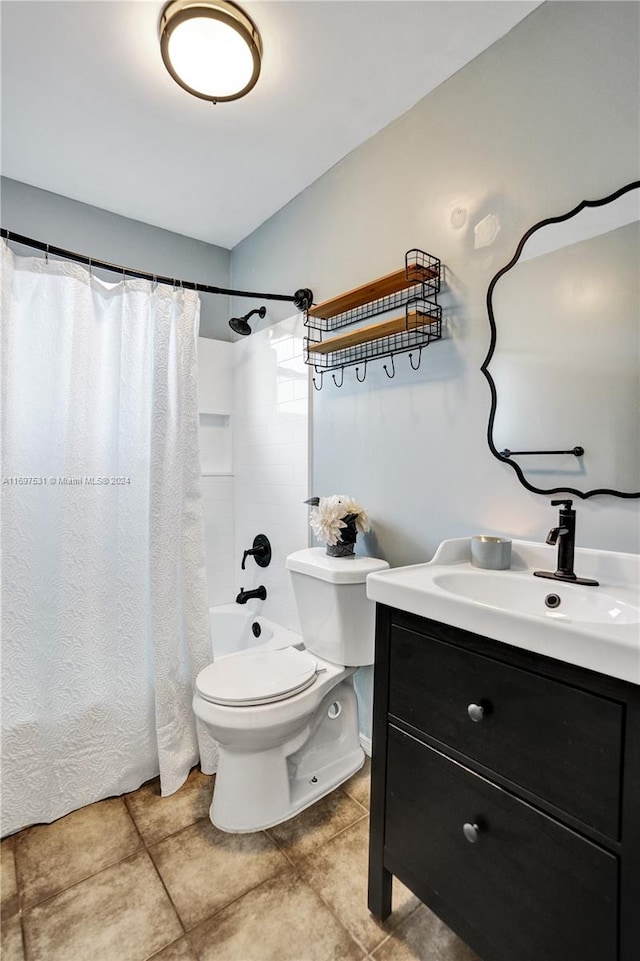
{"x": 420, "y": 279}
{"x": 420, "y": 325}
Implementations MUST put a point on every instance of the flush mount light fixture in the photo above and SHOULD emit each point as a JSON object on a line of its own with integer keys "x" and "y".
{"x": 211, "y": 48}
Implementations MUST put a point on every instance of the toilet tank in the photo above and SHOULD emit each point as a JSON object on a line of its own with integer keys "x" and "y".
{"x": 336, "y": 617}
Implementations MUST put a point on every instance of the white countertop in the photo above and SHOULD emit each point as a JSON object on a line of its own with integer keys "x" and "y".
{"x": 593, "y": 627}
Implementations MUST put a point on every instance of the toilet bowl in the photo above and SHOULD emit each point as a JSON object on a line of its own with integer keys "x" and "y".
{"x": 286, "y": 720}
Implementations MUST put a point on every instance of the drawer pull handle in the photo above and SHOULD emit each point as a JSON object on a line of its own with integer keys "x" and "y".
{"x": 471, "y": 831}
{"x": 475, "y": 712}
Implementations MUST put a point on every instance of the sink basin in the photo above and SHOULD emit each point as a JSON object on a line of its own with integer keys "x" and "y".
{"x": 593, "y": 627}
{"x": 509, "y": 591}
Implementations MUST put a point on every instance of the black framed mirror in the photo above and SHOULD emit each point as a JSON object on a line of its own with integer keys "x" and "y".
{"x": 563, "y": 364}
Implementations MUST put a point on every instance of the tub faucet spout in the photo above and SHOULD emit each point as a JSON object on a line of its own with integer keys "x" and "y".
{"x": 260, "y": 593}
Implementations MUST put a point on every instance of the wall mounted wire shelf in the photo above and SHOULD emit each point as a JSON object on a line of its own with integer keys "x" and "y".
{"x": 419, "y": 325}
{"x": 410, "y": 295}
{"x": 420, "y": 278}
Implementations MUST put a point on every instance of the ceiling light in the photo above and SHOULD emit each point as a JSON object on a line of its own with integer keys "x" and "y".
{"x": 211, "y": 48}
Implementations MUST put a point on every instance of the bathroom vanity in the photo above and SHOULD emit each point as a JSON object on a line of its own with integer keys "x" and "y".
{"x": 506, "y": 782}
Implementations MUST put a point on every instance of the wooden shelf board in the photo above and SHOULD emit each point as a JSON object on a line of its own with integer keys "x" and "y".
{"x": 374, "y": 290}
{"x": 364, "y": 335}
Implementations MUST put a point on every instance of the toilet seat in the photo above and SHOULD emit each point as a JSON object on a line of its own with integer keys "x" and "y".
{"x": 261, "y": 678}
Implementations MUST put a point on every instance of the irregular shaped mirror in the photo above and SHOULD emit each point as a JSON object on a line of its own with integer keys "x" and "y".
{"x": 564, "y": 361}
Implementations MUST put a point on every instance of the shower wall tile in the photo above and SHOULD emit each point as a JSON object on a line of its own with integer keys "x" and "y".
{"x": 271, "y": 456}
{"x": 215, "y": 376}
{"x": 270, "y": 425}
{"x": 215, "y": 395}
{"x": 300, "y": 475}
{"x": 217, "y": 495}
{"x": 217, "y": 489}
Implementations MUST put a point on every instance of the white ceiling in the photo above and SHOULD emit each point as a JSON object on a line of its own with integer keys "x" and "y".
{"x": 89, "y": 111}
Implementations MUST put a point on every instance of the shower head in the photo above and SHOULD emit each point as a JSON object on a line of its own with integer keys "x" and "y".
{"x": 239, "y": 324}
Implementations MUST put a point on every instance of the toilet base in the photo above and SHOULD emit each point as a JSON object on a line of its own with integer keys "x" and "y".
{"x": 257, "y": 790}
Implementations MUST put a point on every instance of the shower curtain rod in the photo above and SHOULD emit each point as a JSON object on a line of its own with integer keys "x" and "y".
{"x": 303, "y": 298}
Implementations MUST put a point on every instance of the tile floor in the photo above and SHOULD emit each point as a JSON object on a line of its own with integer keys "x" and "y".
{"x": 143, "y": 877}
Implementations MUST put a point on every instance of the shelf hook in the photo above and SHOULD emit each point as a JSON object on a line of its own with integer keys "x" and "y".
{"x": 415, "y": 366}
{"x": 362, "y": 379}
{"x": 321, "y": 372}
{"x": 341, "y": 379}
{"x": 393, "y": 367}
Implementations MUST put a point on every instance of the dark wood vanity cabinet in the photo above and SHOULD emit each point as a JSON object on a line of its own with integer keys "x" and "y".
{"x": 506, "y": 794}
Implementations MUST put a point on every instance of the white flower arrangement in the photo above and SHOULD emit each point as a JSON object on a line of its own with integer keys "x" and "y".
{"x": 332, "y": 515}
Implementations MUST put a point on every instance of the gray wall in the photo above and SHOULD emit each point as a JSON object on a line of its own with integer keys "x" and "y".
{"x": 89, "y": 230}
{"x": 546, "y": 117}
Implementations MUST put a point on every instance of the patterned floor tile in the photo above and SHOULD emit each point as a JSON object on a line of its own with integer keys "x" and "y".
{"x": 178, "y": 951}
{"x": 52, "y": 857}
{"x": 359, "y": 785}
{"x": 8, "y": 884}
{"x": 302, "y": 834}
{"x": 121, "y": 914}
{"x": 157, "y": 817}
{"x": 423, "y": 937}
{"x": 11, "y": 948}
{"x": 204, "y": 869}
{"x": 339, "y": 873}
{"x": 282, "y": 920}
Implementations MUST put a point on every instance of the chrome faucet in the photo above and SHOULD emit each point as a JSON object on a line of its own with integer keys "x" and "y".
{"x": 244, "y": 596}
{"x": 565, "y": 537}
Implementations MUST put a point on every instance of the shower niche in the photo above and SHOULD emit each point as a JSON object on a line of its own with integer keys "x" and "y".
{"x": 214, "y": 407}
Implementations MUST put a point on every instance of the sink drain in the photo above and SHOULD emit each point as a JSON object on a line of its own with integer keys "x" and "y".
{"x": 553, "y": 600}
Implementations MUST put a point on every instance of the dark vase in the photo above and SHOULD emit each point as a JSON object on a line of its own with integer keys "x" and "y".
{"x": 347, "y": 543}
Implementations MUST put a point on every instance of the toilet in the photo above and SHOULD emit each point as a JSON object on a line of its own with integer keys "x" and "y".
{"x": 286, "y": 720}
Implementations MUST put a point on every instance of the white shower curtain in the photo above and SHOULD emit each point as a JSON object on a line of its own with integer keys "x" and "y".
{"x": 104, "y": 613}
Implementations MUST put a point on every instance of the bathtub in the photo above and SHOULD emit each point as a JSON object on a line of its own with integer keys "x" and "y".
{"x": 232, "y": 631}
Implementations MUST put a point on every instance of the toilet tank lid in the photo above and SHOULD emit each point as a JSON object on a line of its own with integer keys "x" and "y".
{"x": 337, "y": 570}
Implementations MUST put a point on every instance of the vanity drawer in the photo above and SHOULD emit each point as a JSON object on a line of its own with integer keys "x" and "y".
{"x": 535, "y": 888}
{"x": 560, "y": 743}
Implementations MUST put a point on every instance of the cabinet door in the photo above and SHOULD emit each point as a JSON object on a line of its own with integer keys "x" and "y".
{"x": 561, "y": 743}
{"x": 532, "y": 889}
